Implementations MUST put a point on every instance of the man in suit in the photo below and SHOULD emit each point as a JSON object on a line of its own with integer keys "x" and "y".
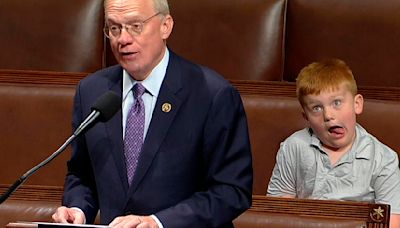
{"x": 194, "y": 167}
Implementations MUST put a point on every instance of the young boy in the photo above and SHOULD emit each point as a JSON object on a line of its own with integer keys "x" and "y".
{"x": 335, "y": 158}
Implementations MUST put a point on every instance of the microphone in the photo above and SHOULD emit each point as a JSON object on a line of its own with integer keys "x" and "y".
{"x": 103, "y": 109}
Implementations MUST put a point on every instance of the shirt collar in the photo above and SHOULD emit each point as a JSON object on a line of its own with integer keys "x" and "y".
{"x": 152, "y": 83}
{"x": 357, "y": 149}
{"x": 363, "y": 139}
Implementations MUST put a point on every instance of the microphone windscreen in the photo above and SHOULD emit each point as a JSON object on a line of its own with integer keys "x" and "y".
{"x": 107, "y": 105}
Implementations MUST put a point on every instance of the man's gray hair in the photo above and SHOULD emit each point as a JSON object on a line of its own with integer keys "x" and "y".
{"x": 159, "y": 6}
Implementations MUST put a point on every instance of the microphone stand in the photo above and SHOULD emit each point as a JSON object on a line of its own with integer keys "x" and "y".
{"x": 24, "y": 177}
{"x": 88, "y": 121}
{"x": 103, "y": 109}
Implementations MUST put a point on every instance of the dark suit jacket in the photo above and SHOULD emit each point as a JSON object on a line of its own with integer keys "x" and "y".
{"x": 195, "y": 169}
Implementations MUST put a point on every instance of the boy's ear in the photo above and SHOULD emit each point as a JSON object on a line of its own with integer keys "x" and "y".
{"x": 358, "y": 104}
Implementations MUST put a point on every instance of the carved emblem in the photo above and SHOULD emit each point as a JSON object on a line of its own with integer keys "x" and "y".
{"x": 377, "y": 214}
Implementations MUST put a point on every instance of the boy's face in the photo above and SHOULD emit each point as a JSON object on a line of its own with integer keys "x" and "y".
{"x": 332, "y": 116}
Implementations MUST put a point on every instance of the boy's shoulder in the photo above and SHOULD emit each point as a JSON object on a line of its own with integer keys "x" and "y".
{"x": 298, "y": 142}
{"x": 302, "y": 136}
{"x": 370, "y": 146}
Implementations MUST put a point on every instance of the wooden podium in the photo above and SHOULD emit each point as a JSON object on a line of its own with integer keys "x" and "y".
{"x": 21, "y": 224}
{"x": 49, "y": 225}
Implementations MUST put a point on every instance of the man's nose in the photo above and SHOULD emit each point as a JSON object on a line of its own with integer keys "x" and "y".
{"x": 125, "y": 37}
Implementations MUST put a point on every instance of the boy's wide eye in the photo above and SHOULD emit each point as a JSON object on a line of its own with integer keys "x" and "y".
{"x": 316, "y": 108}
{"x": 337, "y": 102}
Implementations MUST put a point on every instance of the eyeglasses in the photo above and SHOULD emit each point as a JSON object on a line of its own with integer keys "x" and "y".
{"x": 134, "y": 29}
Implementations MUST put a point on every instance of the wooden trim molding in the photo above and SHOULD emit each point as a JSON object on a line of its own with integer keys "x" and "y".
{"x": 288, "y": 89}
{"x": 40, "y": 77}
{"x": 245, "y": 87}
{"x": 35, "y": 193}
{"x": 375, "y": 215}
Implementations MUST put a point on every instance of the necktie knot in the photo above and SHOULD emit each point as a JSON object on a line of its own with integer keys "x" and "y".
{"x": 138, "y": 90}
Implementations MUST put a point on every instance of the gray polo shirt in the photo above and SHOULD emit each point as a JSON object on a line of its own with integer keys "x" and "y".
{"x": 368, "y": 172}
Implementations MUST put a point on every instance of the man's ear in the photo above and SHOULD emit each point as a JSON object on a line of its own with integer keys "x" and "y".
{"x": 358, "y": 104}
{"x": 166, "y": 26}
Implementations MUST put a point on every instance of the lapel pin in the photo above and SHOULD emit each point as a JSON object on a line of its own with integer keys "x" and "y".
{"x": 166, "y": 107}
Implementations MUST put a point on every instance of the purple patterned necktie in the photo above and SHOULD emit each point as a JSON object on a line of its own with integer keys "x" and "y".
{"x": 134, "y": 131}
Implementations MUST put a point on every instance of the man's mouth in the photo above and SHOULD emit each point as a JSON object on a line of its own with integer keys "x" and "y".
{"x": 127, "y": 53}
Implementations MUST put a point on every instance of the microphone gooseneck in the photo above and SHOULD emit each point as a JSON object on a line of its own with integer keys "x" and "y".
{"x": 103, "y": 109}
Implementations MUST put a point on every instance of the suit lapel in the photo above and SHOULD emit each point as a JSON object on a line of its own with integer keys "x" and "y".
{"x": 161, "y": 120}
{"x": 114, "y": 129}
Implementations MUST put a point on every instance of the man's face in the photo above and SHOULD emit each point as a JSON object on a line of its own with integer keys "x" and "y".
{"x": 332, "y": 116}
{"x": 138, "y": 53}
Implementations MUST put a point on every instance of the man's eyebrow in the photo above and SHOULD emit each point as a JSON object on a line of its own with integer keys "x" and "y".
{"x": 110, "y": 21}
{"x": 128, "y": 20}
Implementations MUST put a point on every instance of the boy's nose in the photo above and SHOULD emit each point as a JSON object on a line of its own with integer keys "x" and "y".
{"x": 328, "y": 114}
